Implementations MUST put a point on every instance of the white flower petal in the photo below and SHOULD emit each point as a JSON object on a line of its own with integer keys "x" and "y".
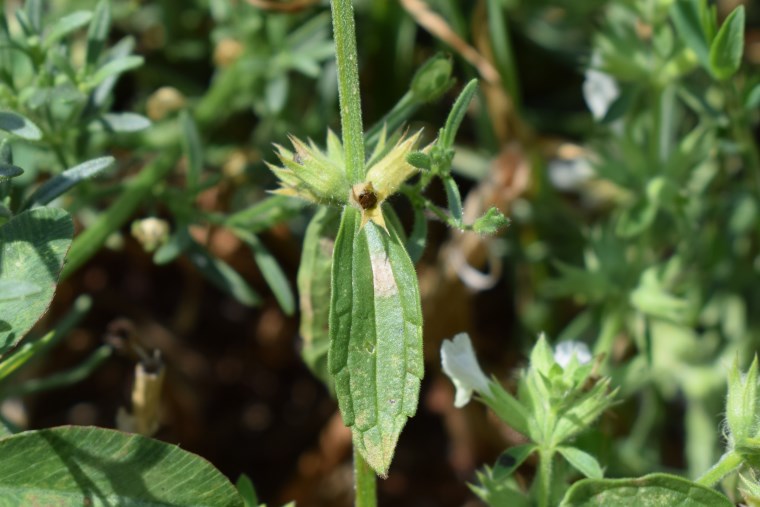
{"x": 460, "y": 364}
{"x": 565, "y": 351}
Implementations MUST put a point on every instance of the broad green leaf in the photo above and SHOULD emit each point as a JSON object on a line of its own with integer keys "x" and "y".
{"x": 653, "y": 490}
{"x": 75, "y": 466}
{"x": 728, "y": 46}
{"x": 314, "y": 291}
{"x": 222, "y": 275}
{"x": 58, "y": 185}
{"x": 124, "y": 122}
{"x": 98, "y": 31}
{"x": 16, "y": 289}
{"x": 271, "y": 271}
{"x": 20, "y": 126}
{"x": 582, "y": 461}
{"x": 33, "y": 245}
{"x": 193, "y": 149}
{"x": 375, "y": 336}
{"x": 66, "y": 25}
{"x": 114, "y": 68}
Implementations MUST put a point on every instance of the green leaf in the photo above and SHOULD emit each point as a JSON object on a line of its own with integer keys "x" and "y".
{"x": 69, "y": 178}
{"x": 653, "y": 490}
{"x": 75, "y": 466}
{"x": 375, "y": 336}
{"x": 453, "y": 199}
{"x": 271, "y": 271}
{"x": 266, "y": 213}
{"x": 222, "y": 275}
{"x": 314, "y": 291}
{"x": 8, "y": 171}
{"x": 417, "y": 241}
{"x": 124, "y": 122}
{"x": 98, "y": 31}
{"x": 728, "y": 46}
{"x": 582, "y": 461}
{"x": 34, "y": 15}
{"x": 247, "y": 492}
{"x": 433, "y": 79}
{"x": 20, "y": 126}
{"x": 177, "y": 243}
{"x": 458, "y": 110}
{"x": 511, "y": 459}
{"x": 17, "y": 289}
{"x": 66, "y": 25}
{"x": 114, "y": 68}
{"x": 687, "y": 19}
{"x": 32, "y": 248}
{"x": 192, "y": 147}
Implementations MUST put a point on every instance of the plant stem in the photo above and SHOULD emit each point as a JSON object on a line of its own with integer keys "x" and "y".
{"x": 364, "y": 482}
{"x": 91, "y": 239}
{"x": 545, "y": 464}
{"x": 346, "y": 58}
{"x": 727, "y": 464}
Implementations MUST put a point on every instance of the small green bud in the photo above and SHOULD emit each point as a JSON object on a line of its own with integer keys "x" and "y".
{"x": 433, "y": 79}
{"x": 419, "y": 159}
{"x": 741, "y": 403}
{"x": 491, "y": 222}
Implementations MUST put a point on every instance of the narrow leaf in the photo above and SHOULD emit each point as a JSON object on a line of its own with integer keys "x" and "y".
{"x": 458, "y": 111}
{"x": 582, "y": 461}
{"x": 223, "y": 276}
{"x": 728, "y": 46}
{"x": 686, "y": 18}
{"x": 124, "y": 122}
{"x": 193, "y": 149}
{"x": 314, "y": 291}
{"x": 20, "y": 126}
{"x": 271, "y": 271}
{"x": 375, "y": 336}
{"x": 77, "y": 466}
{"x": 98, "y": 31}
{"x": 60, "y": 184}
{"x": 453, "y": 198}
{"x": 66, "y": 25}
{"x": 247, "y": 491}
{"x": 114, "y": 68}
{"x": 511, "y": 459}
{"x": 8, "y": 171}
{"x": 265, "y": 214}
{"x": 32, "y": 248}
{"x": 415, "y": 245}
{"x": 649, "y": 491}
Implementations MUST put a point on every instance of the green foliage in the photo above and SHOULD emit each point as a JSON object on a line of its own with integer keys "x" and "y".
{"x": 77, "y": 465}
{"x": 647, "y": 491}
{"x": 33, "y": 245}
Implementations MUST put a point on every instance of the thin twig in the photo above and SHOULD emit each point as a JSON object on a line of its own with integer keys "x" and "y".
{"x": 436, "y": 25}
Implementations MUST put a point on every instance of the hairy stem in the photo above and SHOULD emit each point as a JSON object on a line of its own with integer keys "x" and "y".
{"x": 347, "y": 61}
{"x": 364, "y": 482}
{"x": 727, "y": 464}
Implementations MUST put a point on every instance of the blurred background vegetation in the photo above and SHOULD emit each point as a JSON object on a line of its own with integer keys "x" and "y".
{"x": 630, "y": 175}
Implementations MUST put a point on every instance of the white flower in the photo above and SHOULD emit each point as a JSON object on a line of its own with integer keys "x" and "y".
{"x": 565, "y": 351}
{"x": 599, "y": 89}
{"x": 460, "y": 364}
